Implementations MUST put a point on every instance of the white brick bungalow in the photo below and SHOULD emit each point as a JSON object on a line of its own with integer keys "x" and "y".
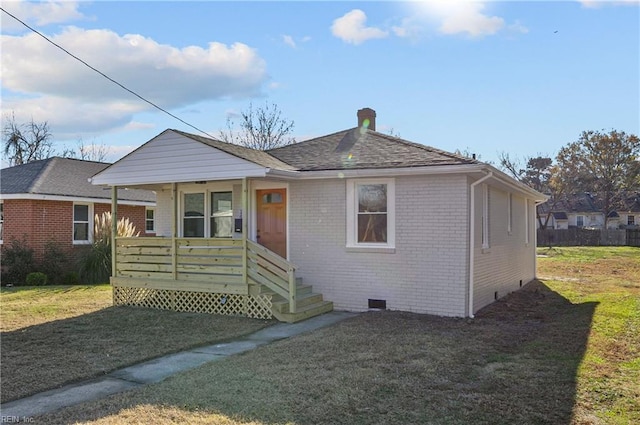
{"x": 366, "y": 219}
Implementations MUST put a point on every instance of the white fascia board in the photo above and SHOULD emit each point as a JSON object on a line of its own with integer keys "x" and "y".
{"x": 379, "y": 172}
{"x": 169, "y": 180}
{"x": 39, "y": 197}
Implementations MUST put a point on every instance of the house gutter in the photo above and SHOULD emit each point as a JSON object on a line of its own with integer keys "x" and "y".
{"x": 472, "y": 231}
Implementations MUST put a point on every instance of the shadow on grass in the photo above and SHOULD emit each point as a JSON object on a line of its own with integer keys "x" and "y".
{"x": 516, "y": 362}
{"x": 49, "y": 355}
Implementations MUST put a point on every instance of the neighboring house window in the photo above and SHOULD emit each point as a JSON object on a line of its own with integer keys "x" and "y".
{"x": 371, "y": 213}
{"x": 1, "y": 220}
{"x": 580, "y": 221}
{"x": 631, "y": 220}
{"x": 485, "y": 216}
{"x": 193, "y": 217}
{"x": 221, "y": 215}
{"x": 82, "y": 223}
{"x": 150, "y": 220}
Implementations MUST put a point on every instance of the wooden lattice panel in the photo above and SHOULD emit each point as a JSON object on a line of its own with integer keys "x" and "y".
{"x": 258, "y": 307}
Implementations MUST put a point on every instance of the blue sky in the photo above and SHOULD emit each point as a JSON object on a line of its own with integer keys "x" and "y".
{"x": 486, "y": 77}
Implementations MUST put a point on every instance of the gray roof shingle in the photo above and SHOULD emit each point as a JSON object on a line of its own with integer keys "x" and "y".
{"x": 359, "y": 148}
{"x": 62, "y": 177}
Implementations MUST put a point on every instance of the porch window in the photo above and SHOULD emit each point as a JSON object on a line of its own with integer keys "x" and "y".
{"x": 81, "y": 223}
{"x": 193, "y": 219}
{"x": 221, "y": 215}
{"x": 371, "y": 213}
{"x": 150, "y": 220}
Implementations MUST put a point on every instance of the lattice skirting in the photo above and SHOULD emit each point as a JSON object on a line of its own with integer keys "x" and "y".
{"x": 254, "y": 306}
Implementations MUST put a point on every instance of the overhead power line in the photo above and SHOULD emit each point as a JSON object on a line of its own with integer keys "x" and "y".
{"x": 105, "y": 75}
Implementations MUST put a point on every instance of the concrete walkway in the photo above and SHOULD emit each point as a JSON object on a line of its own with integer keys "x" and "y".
{"x": 159, "y": 369}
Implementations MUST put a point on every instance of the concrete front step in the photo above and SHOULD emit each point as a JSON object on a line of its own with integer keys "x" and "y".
{"x": 304, "y": 312}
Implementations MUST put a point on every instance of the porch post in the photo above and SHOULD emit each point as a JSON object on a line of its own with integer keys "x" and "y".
{"x": 114, "y": 228}
{"x": 245, "y": 217}
{"x": 174, "y": 230}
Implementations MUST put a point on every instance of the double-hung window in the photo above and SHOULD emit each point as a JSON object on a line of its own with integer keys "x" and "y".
{"x": 218, "y": 209}
{"x": 150, "y": 220}
{"x": 193, "y": 216}
{"x": 221, "y": 215}
{"x": 631, "y": 220}
{"x": 82, "y": 223}
{"x": 371, "y": 213}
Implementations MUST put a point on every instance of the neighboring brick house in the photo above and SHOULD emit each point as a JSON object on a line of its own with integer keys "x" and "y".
{"x": 370, "y": 220}
{"x": 52, "y": 200}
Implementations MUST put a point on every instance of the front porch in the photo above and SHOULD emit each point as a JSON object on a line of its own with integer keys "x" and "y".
{"x": 211, "y": 275}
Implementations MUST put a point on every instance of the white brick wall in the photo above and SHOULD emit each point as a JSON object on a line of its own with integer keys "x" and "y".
{"x": 508, "y": 260}
{"x": 426, "y": 274}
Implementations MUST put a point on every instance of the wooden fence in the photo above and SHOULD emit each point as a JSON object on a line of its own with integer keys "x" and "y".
{"x": 588, "y": 237}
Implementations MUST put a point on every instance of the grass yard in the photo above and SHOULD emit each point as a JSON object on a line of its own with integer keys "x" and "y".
{"x": 563, "y": 350}
{"x": 54, "y": 335}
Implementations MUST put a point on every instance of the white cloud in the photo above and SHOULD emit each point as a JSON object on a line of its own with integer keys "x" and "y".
{"x": 594, "y": 4}
{"x": 518, "y": 27}
{"x": 288, "y": 40}
{"x": 67, "y": 94}
{"x": 351, "y": 28}
{"x": 465, "y": 17}
{"x": 39, "y": 13}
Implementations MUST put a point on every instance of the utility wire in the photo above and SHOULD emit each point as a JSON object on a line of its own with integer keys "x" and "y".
{"x": 105, "y": 75}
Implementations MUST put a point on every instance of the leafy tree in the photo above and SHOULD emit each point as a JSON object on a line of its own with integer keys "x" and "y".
{"x": 262, "y": 128}
{"x": 26, "y": 142}
{"x": 607, "y": 164}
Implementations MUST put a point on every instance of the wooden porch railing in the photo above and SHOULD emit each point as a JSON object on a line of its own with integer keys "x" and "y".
{"x": 204, "y": 264}
{"x": 269, "y": 269}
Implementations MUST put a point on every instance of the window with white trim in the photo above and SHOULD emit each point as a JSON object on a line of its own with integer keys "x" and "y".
{"x": 371, "y": 213}
{"x": 212, "y": 218}
{"x": 221, "y": 215}
{"x": 631, "y": 221}
{"x": 510, "y": 213}
{"x": 82, "y": 219}
{"x": 580, "y": 220}
{"x": 193, "y": 215}
{"x": 485, "y": 216}
{"x": 527, "y": 228}
{"x": 150, "y": 220}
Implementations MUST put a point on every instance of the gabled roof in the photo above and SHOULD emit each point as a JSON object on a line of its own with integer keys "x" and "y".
{"x": 257, "y": 157}
{"x": 360, "y": 148}
{"x": 62, "y": 177}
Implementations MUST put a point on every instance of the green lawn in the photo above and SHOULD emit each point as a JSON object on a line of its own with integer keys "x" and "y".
{"x": 561, "y": 350}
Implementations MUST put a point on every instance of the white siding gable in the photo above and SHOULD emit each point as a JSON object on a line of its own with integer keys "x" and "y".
{"x": 171, "y": 157}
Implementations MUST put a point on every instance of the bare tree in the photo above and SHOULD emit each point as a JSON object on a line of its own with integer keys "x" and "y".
{"x": 262, "y": 128}
{"x": 26, "y": 142}
{"x": 87, "y": 152}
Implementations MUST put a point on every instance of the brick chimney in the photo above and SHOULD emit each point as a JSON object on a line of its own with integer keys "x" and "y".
{"x": 367, "y": 114}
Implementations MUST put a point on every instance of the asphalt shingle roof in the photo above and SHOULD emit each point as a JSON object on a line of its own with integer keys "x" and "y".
{"x": 360, "y": 148}
{"x": 62, "y": 177}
